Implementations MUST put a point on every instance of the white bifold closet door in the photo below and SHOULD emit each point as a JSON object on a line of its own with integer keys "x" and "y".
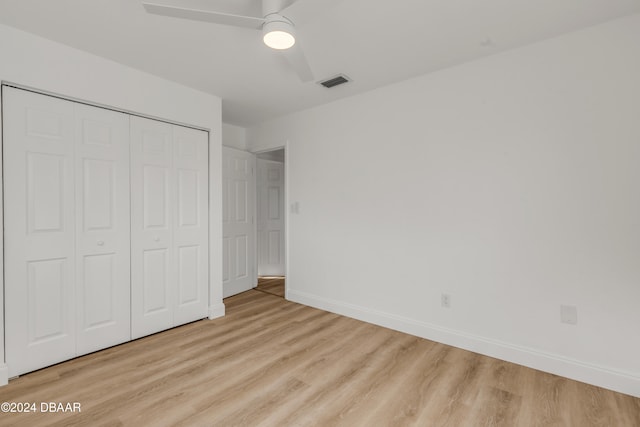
{"x": 169, "y": 225}
{"x": 66, "y": 229}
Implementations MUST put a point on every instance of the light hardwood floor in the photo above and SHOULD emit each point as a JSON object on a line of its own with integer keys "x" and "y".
{"x": 271, "y": 362}
{"x": 271, "y": 285}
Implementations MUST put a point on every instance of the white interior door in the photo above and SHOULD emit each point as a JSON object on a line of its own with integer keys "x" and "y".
{"x": 238, "y": 186}
{"x": 102, "y": 228}
{"x": 152, "y": 194}
{"x": 191, "y": 224}
{"x": 271, "y": 241}
{"x": 38, "y": 143}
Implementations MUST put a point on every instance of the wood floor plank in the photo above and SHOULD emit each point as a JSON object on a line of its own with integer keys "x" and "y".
{"x": 270, "y": 362}
{"x": 271, "y": 285}
{"x": 421, "y": 384}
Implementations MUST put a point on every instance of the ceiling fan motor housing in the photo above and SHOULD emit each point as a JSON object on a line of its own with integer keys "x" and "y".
{"x": 277, "y": 19}
{"x": 271, "y": 6}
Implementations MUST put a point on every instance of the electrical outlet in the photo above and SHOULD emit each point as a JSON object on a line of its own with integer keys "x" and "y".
{"x": 569, "y": 314}
{"x": 445, "y": 300}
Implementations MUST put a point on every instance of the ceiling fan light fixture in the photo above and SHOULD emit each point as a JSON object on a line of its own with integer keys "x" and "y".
{"x": 278, "y": 32}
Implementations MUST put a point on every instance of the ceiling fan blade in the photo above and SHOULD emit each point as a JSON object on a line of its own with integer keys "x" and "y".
{"x": 204, "y": 15}
{"x": 295, "y": 57}
{"x": 303, "y": 11}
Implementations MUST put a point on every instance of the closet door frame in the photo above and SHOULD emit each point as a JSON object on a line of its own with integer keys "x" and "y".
{"x": 215, "y": 306}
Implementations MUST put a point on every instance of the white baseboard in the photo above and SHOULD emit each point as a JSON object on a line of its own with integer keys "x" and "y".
{"x": 623, "y": 382}
{"x": 216, "y": 311}
{"x": 4, "y": 374}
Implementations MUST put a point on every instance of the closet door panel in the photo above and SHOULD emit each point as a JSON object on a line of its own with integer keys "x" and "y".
{"x": 190, "y": 224}
{"x": 152, "y": 195}
{"x": 40, "y": 324}
{"x": 102, "y": 228}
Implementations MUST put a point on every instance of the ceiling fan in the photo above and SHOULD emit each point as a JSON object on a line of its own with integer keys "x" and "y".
{"x": 277, "y": 23}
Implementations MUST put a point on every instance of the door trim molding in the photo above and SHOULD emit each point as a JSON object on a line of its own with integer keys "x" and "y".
{"x": 287, "y": 232}
{"x": 216, "y": 311}
{"x": 97, "y": 104}
{"x": 4, "y": 374}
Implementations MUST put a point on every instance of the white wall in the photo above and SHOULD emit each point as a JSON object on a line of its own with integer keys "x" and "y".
{"x": 234, "y": 136}
{"x": 36, "y": 62}
{"x": 511, "y": 183}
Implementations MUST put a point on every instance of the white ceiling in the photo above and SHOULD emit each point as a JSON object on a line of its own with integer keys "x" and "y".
{"x": 375, "y": 42}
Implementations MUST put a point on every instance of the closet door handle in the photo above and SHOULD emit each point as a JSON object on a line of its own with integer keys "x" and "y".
{"x": 100, "y": 243}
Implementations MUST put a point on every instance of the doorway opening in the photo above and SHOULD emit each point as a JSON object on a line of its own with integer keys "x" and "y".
{"x": 273, "y": 285}
{"x": 270, "y": 222}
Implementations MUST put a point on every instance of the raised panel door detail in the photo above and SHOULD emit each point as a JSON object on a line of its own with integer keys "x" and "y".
{"x": 274, "y": 202}
{"x": 153, "y": 142}
{"x": 103, "y": 235}
{"x": 188, "y": 198}
{"x": 96, "y": 133}
{"x": 270, "y": 224}
{"x": 152, "y": 218}
{"x": 189, "y": 224}
{"x": 99, "y": 290}
{"x": 238, "y": 225}
{"x": 39, "y": 213}
{"x": 46, "y": 296}
{"x": 155, "y": 272}
{"x": 99, "y": 203}
{"x": 44, "y": 124}
{"x": 67, "y": 173}
{"x": 188, "y": 260}
{"x": 274, "y": 246}
{"x": 155, "y": 187}
{"x": 241, "y": 201}
{"x": 187, "y": 148}
{"x": 242, "y": 256}
{"x": 45, "y": 189}
{"x": 262, "y": 245}
{"x": 241, "y": 165}
{"x": 169, "y": 208}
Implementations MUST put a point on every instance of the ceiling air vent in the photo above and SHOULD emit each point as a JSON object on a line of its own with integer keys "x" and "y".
{"x": 335, "y": 81}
